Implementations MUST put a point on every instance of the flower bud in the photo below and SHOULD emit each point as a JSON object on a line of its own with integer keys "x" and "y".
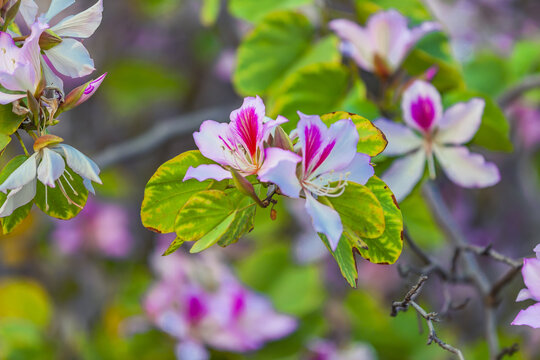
{"x": 46, "y": 140}
{"x": 48, "y": 40}
{"x": 281, "y": 140}
{"x": 81, "y": 94}
{"x": 245, "y": 187}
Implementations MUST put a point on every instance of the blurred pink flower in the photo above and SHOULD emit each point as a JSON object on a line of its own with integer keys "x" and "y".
{"x": 527, "y": 124}
{"x": 100, "y": 228}
{"x": 326, "y": 350}
{"x": 531, "y": 276}
{"x": 199, "y": 301}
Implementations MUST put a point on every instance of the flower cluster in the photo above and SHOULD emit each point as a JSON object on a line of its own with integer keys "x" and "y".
{"x": 320, "y": 163}
{"x": 199, "y": 301}
{"x": 430, "y": 132}
{"x": 36, "y": 54}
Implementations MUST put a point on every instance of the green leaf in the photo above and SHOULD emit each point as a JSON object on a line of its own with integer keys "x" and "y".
{"x": 525, "y": 58}
{"x": 448, "y": 76}
{"x": 412, "y": 8}
{"x": 4, "y": 141}
{"x": 344, "y": 256}
{"x": 53, "y": 202}
{"x": 419, "y": 221}
{"x": 254, "y": 11}
{"x": 315, "y": 89}
{"x": 9, "y": 122}
{"x": 356, "y": 102}
{"x": 386, "y": 248}
{"x": 166, "y": 192}
{"x": 10, "y": 222}
{"x": 210, "y": 12}
{"x": 372, "y": 141}
{"x": 359, "y": 210}
{"x": 25, "y": 299}
{"x": 173, "y": 246}
{"x": 479, "y": 74}
{"x": 211, "y": 216}
{"x": 267, "y": 53}
{"x": 494, "y": 132}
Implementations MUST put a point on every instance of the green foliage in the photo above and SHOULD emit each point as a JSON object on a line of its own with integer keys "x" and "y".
{"x": 478, "y": 74}
{"x": 413, "y": 8}
{"x": 210, "y": 11}
{"x": 135, "y": 84}
{"x": 19, "y": 296}
{"x": 315, "y": 89}
{"x": 10, "y": 222}
{"x": 213, "y": 216}
{"x": 166, "y": 192}
{"x": 448, "y": 76}
{"x": 254, "y": 11}
{"x": 419, "y": 221}
{"x": 494, "y": 132}
{"x": 371, "y": 140}
{"x": 9, "y": 121}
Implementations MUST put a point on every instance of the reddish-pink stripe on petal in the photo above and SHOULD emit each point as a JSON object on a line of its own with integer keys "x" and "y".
{"x": 423, "y": 112}
{"x": 247, "y": 127}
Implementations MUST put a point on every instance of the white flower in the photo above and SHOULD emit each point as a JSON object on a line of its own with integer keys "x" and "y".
{"x": 47, "y": 164}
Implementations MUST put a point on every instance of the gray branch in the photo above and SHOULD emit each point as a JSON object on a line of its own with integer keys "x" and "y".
{"x": 512, "y": 94}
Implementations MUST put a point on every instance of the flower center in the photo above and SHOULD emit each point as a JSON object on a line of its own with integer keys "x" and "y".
{"x": 423, "y": 112}
{"x": 331, "y": 184}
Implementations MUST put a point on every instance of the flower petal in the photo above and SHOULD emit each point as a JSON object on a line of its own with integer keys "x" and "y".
{"x": 9, "y": 98}
{"x": 21, "y": 176}
{"x": 247, "y": 123}
{"x": 279, "y": 167}
{"x": 31, "y": 50}
{"x": 401, "y": 139}
{"x": 71, "y": 58}
{"x": 205, "y": 172}
{"x": 421, "y": 106}
{"x": 91, "y": 89}
{"x": 530, "y": 317}
{"x": 56, "y": 7}
{"x": 51, "y": 167}
{"x": 524, "y": 294}
{"x": 389, "y": 35}
{"x": 404, "y": 173}
{"x": 531, "y": 277}
{"x": 360, "y": 169}
{"x": 356, "y": 41}
{"x": 325, "y": 220}
{"x": 51, "y": 78}
{"x": 82, "y": 25}
{"x": 210, "y": 141}
{"x": 18, "y": 197}
{"x": 189, "y": 349}
{"x": 80, "y": 163}
{"x": 537, "y": 251}
{"x": 28, "y": 10}
{"x": 466, "y": 169}
{"x": 460, "y": 122}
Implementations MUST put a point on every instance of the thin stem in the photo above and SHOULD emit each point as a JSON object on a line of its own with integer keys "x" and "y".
{"x": 22, "y": 143}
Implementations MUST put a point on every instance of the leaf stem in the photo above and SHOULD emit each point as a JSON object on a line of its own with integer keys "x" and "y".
{"x": 22, "y": 143}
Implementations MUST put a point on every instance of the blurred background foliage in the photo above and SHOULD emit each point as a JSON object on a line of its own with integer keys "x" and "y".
{"x": 68, "y": 292}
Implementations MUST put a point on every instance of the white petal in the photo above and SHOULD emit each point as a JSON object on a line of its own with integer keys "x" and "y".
{"x": 421, "y": 106}
{"x": 401, "y": 139}
{"x": 325, "y": 220}
{"x": 18, "y": 197}
{"x": 80, "y": 163}
{"x": 88, "y": 185}
{"x": 388, "y": 31}
{"x": 205, "y": 172}
{"x": 460, "y": 122}
{"x": 28, "y": 10}
{"x": 279, "y": 167}
{"x": 51, "y": 167}
{"x": 82, "y": 25}
{"x": 71, "y": 58}
{"x": 466, "y": 169}
{"x": 405, "y": 173}
{"x": 51, "y": 78}
{"x": 56, "y": 7}
{"x": 360, "y": 169}
{"x": 524, "y": 294}
{"x": 9, "y": 98}
{"x": 21, "y": 176}
{"x": 356, "y": 42}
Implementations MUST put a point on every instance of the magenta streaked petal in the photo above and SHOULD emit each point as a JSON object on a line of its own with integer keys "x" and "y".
{"x": 465, "y": 168}
{"x": 422, "y": 106}
{"x": 325, "y": 220}
{"x": 280, "y": 168}
{"x": 247, "y": 123}
{"x": 530, "y": 317}
{"x": 205, "y": 172}
{"x": 91, "y": 89}
{"x": 209, "y": 143}
{"x": 531, "y": 276}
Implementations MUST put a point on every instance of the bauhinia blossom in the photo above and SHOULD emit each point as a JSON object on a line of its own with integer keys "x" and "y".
{"x": 237, "y": 145}
{"x": 328, "y": 162}
{"x": 20, "y": 68}
{"x": 199, "y": 302}
{"x": 47, "y": 164}
{"x": 430, "y": 132}
{"x": 531, "y": 276}
{"x": 384, "y": 43}
{"x": 68, "y": 56}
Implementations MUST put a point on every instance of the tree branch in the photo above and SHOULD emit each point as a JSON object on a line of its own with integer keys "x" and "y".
{"x": 158, "y": 135}
{"x": 512, "y": 94}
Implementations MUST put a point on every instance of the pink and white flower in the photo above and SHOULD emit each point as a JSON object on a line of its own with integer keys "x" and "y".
{"x": 20, "y": 68}
{"x": 328, "y": 162}
{"x": 385, "y": 41}
{"x": 430, "y": 132}
{"x": 198, "y": 301}
{"x": 69, "y": 57}
{"x": 531, "y": 276}
{"x": 237, "y": 145}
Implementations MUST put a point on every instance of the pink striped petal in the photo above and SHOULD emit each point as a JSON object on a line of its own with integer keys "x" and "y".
{"x": 421, "y": 106}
